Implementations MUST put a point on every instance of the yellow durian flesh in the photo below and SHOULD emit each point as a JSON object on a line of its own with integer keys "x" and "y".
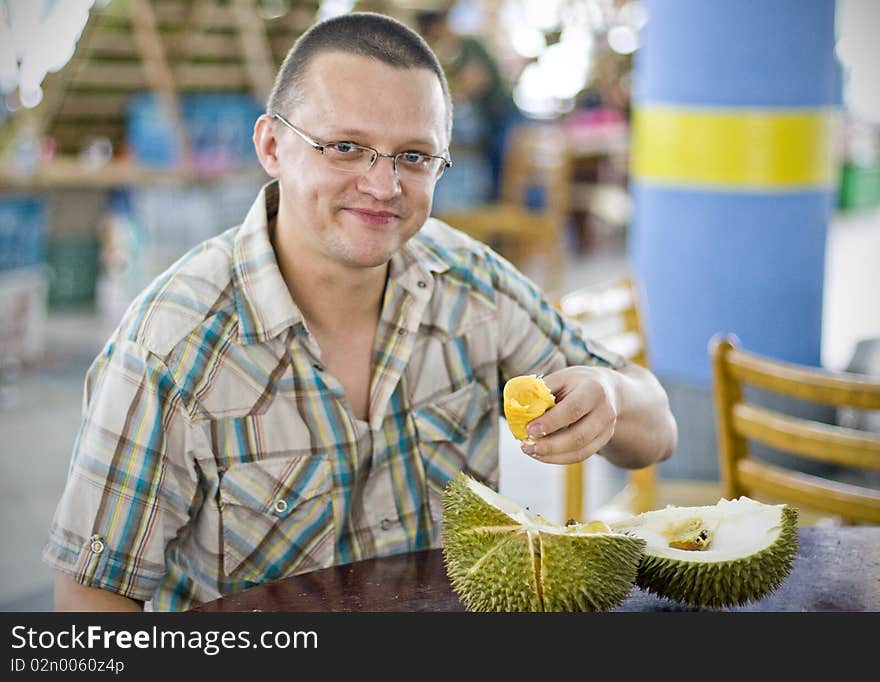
{"x": 525, "y": 398}
{"x": 689, "y": 534}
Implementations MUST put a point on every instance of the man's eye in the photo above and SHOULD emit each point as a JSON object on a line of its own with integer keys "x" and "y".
{"x": 345, "y": 147}
{"x": 414, "y": 158}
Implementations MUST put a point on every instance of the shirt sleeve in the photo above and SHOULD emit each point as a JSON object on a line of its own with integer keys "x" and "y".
{"x": 129, "y": 491}
{"x": 534, "y": 337}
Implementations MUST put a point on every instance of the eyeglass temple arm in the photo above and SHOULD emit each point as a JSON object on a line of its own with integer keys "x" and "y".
{"x": 314, "y": 143}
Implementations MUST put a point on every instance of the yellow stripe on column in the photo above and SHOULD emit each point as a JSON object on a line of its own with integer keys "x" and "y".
{"x": 734, "y": 148}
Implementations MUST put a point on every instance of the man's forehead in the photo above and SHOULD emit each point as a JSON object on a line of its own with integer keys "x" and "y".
{"x": 347, "y": 91}
{"x": 337, "y": 68}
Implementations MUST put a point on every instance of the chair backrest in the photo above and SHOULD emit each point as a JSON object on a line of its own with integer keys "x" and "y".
{"x": 530, "y": 219}
{"x": 537, "y": 170}
{"x": 609, "y": 313}
{"x": 740, "y": 422}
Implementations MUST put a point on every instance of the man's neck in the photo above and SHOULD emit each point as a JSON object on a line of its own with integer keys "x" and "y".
{"x": 331, "y": 297}
{"x": 332, "y": 303}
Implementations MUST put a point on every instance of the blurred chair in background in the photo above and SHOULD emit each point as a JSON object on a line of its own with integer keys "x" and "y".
{"x": 740, "y": 421}
{"x": 609, "y": 313}
{"x": 531, "y": 216}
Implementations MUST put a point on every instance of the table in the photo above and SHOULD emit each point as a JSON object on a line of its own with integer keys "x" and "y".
{"x": 836, "y": 569}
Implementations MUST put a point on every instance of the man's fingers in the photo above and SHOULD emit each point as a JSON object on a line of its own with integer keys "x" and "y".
{"x": 579, "y": 455}
{"x": 566, "y": 412}
{"x": 578, "y": 438}
{"x": 555, "y": 381}
{"x": 575, "y": 438}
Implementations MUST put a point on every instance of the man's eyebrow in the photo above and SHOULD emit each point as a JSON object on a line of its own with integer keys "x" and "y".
{"x": 357, "y": 135}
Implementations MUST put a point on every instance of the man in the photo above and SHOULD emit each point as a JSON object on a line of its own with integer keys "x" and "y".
{"x": 297, "y": 391}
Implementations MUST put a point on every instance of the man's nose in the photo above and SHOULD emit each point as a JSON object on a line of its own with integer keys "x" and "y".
{"x": 381, "y": 181}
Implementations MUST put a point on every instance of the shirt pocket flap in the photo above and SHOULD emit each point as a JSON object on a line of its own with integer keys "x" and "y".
{"x": 277, "y": 517}
{"x": 453, "y": 417}
{"x": 276, "y": 486}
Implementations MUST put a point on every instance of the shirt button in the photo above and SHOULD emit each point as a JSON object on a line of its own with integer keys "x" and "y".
{"x": 386, "y": 524}
{"x": 422, "y": 285}
{"x": 97, "y": 544}
{"x": 280, "y": 506}
{"x": 401, "y": 332}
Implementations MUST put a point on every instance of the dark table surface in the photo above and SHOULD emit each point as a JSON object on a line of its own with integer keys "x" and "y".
{"x": 836, "y": 569}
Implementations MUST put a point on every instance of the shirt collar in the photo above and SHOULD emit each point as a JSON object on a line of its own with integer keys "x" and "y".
{"x": 263, "y": 302}
{"x": 414, "y": 265}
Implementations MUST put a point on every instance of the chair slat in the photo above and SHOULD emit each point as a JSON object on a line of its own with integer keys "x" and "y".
{"x": 799, "y": 489}
{"x": 832, "y": 388}
{"x": 574, "y": 491}
{"x": 822, "y": 442}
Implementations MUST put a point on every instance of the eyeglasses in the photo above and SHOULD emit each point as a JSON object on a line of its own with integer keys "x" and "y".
{"x": 350, "y": 157}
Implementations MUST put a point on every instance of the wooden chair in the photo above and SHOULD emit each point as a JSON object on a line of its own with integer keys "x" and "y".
{"x": 609, "y": 313}
{"x": 530, "y": 218}
{"x": 739, "y": 422}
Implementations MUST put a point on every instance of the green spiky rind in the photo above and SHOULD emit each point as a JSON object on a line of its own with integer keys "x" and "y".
{"x": 593, "y": 573}
{"x": 725, "y": 583}
{"x": 463, "y": 509}
{"x": 493, "y": 572}
{"x": 476, "y": 553}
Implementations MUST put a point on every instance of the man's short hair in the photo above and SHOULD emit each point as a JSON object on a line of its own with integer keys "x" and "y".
{"x": 361, "y": 33}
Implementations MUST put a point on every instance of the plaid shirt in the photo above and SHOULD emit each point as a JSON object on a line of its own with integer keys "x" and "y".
{"x": 216, "y": 453}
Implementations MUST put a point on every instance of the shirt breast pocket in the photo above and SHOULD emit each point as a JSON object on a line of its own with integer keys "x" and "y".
{"x": 457, "y": 433}
{"x": 277, "y": 517}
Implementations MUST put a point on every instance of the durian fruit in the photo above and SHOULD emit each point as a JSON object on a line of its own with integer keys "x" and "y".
{"x": 728, "y": 554}
{"x": 501, "y": 557}
{"x": 525, "y": 398}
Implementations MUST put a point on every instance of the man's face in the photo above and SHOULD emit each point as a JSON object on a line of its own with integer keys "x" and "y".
{"x": 358, "y": 220}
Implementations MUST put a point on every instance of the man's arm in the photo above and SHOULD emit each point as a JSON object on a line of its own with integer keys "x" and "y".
{"x": 134, "y": 420}
{"x": 624, "y": 413}
{"x": 71, "y": 596}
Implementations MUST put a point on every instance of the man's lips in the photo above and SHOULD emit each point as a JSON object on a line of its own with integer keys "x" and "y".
{"x": 372, "y": 216}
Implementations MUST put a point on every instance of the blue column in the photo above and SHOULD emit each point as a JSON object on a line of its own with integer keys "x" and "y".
{"x": 733, "y": 177}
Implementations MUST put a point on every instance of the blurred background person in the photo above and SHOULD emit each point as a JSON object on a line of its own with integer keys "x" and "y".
{"x": 483, "y": 113}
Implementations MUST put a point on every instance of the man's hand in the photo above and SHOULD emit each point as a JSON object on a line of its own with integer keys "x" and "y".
{"x": 624, "y": 413}
{"x": 581, "y": 422}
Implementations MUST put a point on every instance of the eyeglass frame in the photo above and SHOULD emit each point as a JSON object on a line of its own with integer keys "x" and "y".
{"x": 312, "y": 142}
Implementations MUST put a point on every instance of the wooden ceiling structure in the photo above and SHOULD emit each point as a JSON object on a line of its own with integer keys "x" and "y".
{"x": 167, "y": 47}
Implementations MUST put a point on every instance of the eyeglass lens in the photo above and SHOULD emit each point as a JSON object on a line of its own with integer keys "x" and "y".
{"x": 353, "y": 158}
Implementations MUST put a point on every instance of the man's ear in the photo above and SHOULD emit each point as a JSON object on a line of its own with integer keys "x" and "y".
{"x": 266, "y": 145}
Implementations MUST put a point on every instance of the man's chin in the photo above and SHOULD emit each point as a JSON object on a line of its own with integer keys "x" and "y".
{"x": 366, "y": 257}
{"x": 375, "y": 247}
{"x": 366, "y": 260}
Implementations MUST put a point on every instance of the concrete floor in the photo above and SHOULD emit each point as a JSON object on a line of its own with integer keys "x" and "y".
{"x": 39, "y": 408}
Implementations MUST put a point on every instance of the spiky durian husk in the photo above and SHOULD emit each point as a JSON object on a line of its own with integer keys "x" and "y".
{"x": 588, "y": 573}
{"x": 494, "y": 572}
{"x": 496, "y": 564}
{"x": 463, "y": 509}
{"x": 723, "y": 583}
{"x": 479, "y": 541}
